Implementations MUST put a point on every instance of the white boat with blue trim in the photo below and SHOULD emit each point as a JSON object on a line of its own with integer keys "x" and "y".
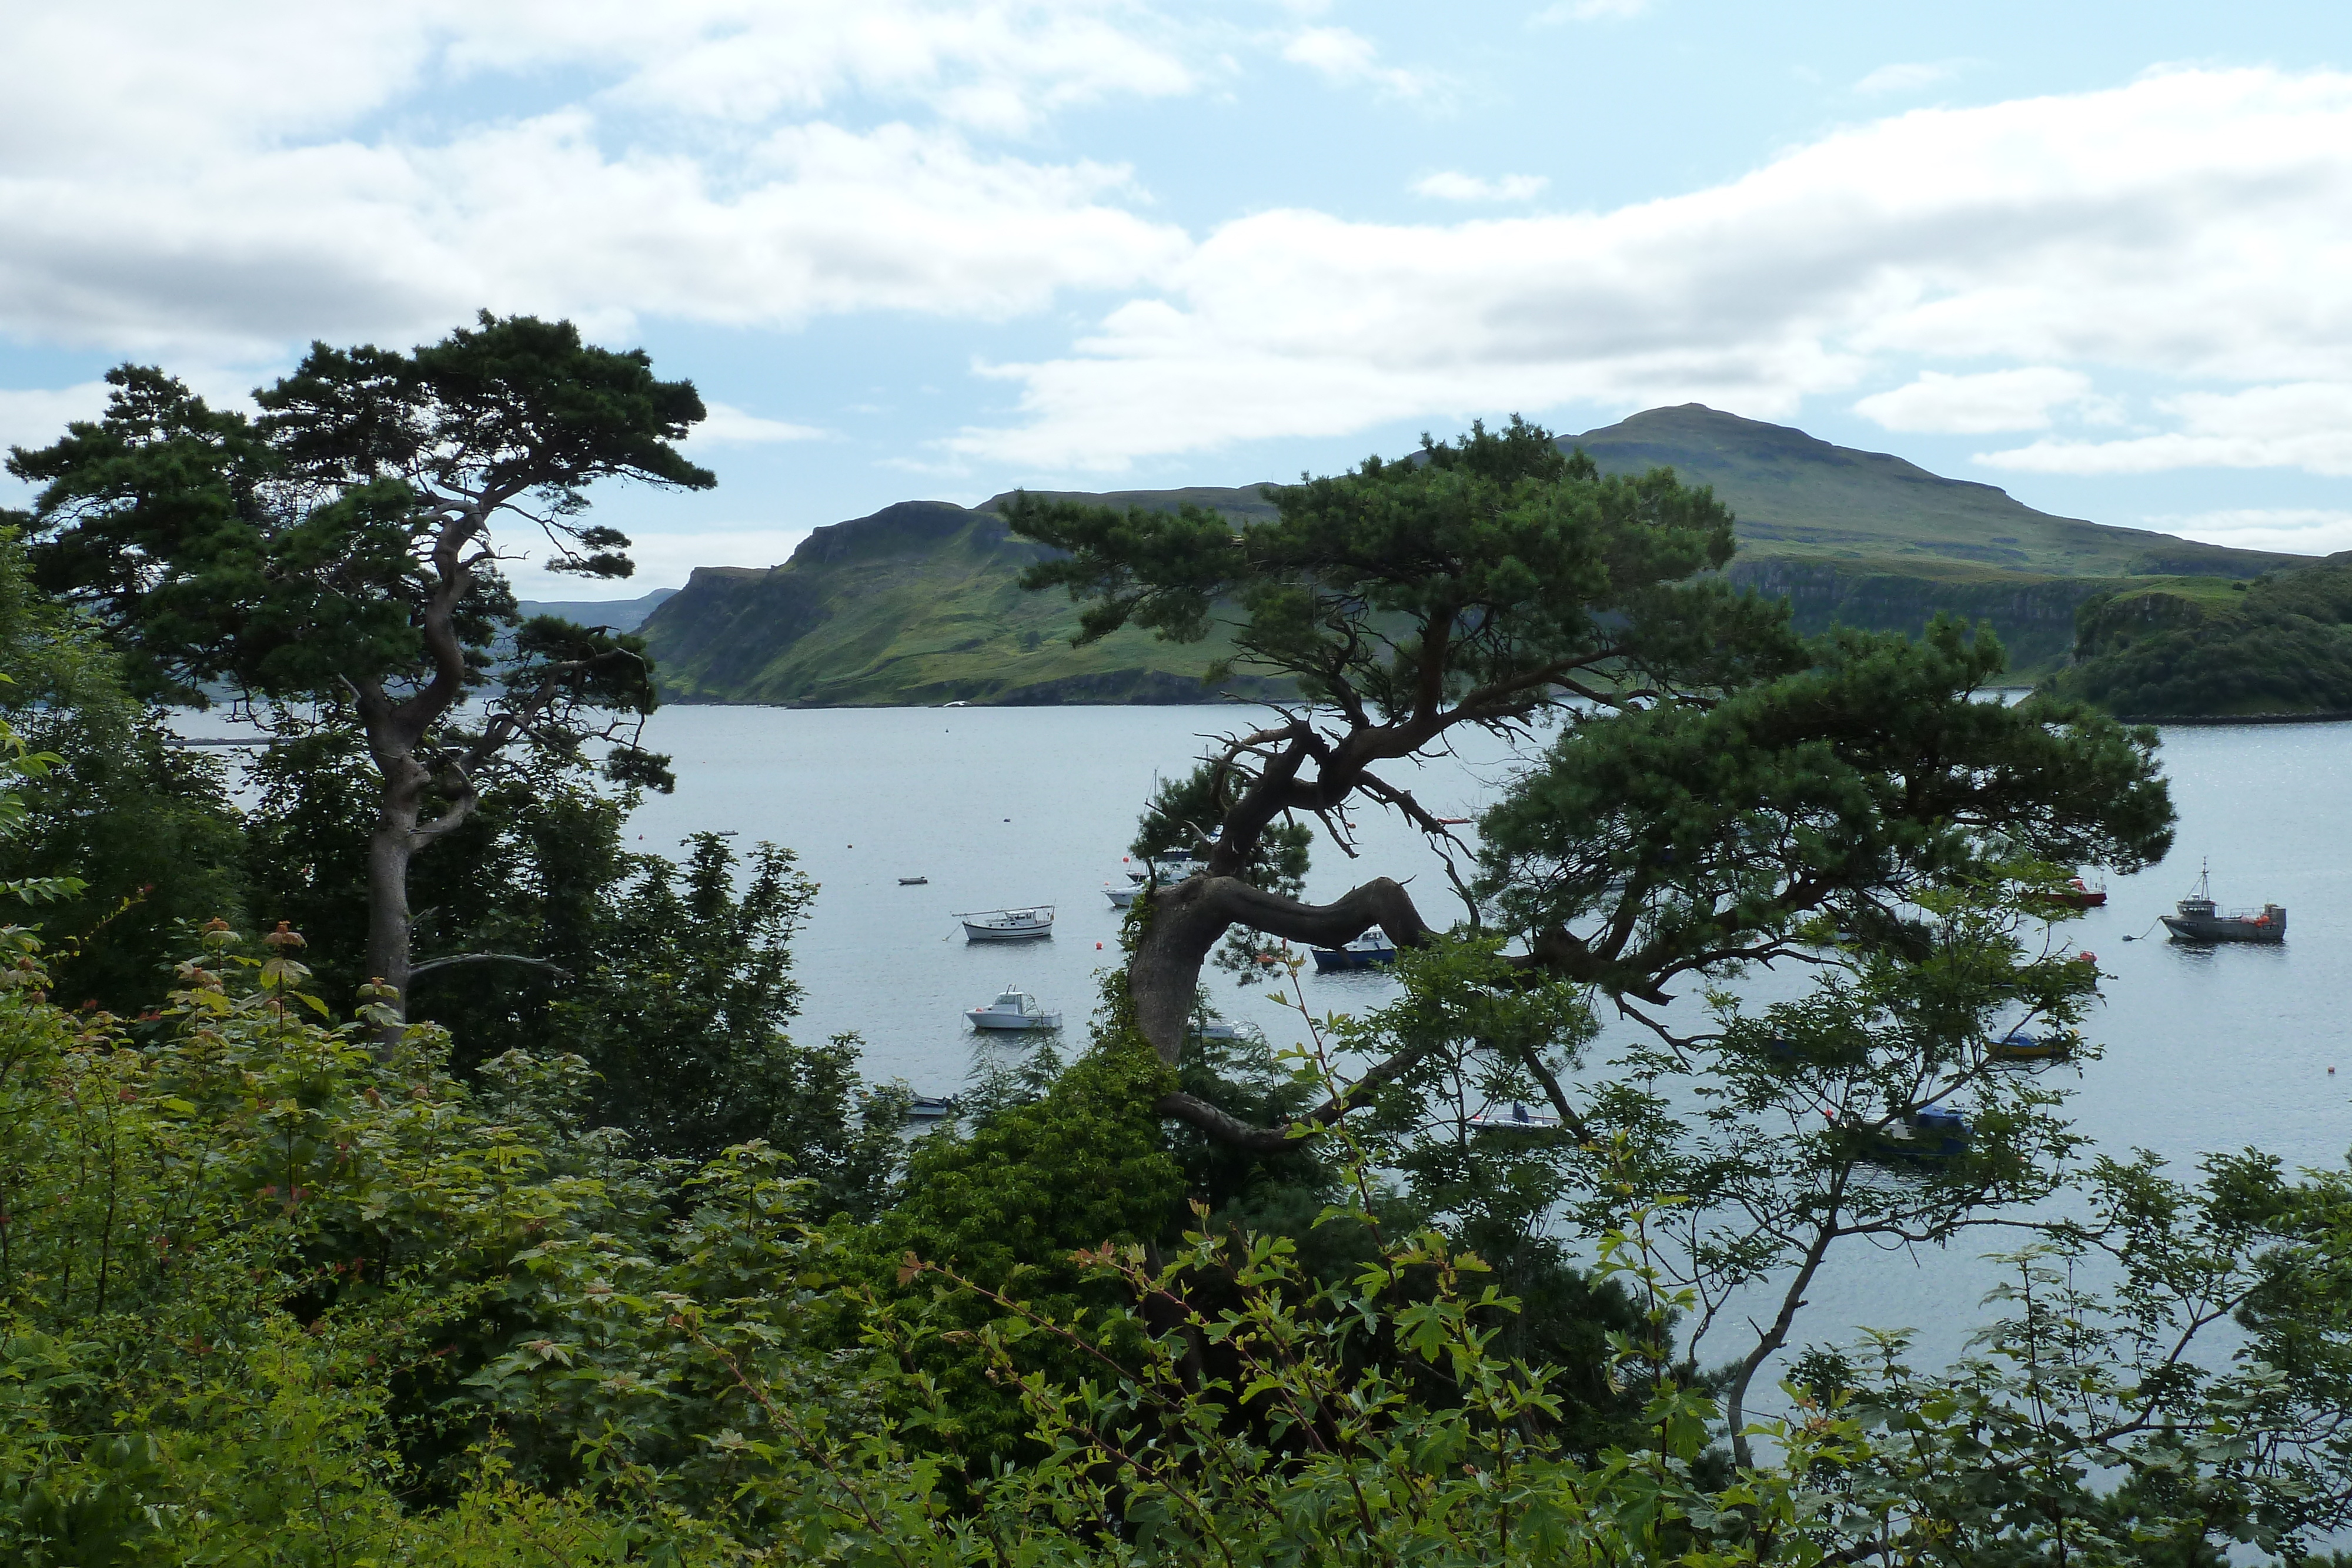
{"x": 1013, "y": 1010}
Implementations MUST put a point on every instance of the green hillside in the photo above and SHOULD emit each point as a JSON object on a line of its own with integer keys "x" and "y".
{"x": 917, "y": 604}
{"x": 2195, "y": 648}
{"x": 1799, "y": 496}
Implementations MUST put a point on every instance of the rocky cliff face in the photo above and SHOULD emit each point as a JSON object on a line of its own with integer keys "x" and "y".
{"x": 2033, "y": 616}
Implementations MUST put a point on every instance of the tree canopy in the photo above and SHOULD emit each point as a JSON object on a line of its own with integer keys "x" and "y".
{"x": 342, "y": 551}
{"x": 1716, "y": 782}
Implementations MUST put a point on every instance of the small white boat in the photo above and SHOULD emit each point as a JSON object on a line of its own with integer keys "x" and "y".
{"x": 1176, "y": 865}
{"x": 1518, "y": 1119}
{"x": 1013, "y": 1010}
{"x": 1120, "y": 897}
{"x": 1216, "y": 1029}
{"x": 1008, "y": 925}
{"x": 930, "y": 1108}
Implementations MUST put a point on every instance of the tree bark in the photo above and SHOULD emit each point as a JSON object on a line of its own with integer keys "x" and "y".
{"x": 1189, "y": 919}
{"x": 1735, "y": 1404}
{"x": 389, "y": 848}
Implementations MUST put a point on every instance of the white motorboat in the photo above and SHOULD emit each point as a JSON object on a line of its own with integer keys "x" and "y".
{"x": 1013, "y": 1010}
{"x": 1176, "y": 865}
{"x": 1008, "y": 925}
{"x": 1120, "y": 897}
{"x": 1365, "y": 952}
{"x": 1518, "y": 1119}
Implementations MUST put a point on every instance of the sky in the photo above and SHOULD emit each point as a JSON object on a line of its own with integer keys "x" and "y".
{"x": 2098, "y": 255}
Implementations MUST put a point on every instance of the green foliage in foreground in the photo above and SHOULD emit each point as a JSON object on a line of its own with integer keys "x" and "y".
{"x": 269, "y": 1296}
{"x": 2281, "y": 644}
{"x": 146, "y": 825}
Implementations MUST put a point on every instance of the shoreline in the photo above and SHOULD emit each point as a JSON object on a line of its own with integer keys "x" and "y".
{"x": 2331, "y": 716}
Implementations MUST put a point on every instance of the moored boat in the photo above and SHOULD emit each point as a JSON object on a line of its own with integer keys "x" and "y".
{"x": 2199, "y": 920}
{"x": 1008, "y": 925}
{"x": 1929, "y": 1135}
{"x": 1372, "y": 947}
{"x": 930, "y": 1108}
{"x": 1013, "y": 1010}
{"x": 1175, "y": 866}
{"x": 1518, "y": 1119}
{"x": 914, "y": 882}
{"x": 1120, "y": 897}
{"x": 2017, "y": 1045}
{"x": 2079, "y": 894}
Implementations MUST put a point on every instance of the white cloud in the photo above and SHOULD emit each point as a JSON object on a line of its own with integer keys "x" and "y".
{"x": 2296, "y": 530}
{"x": 2190, "y": 225}
{"x": 1346, "y": 58}
{"x": 1975, "y": 404}
{"x": 1450, "y": 186}
{"x": 212, "y": 184}
{"x": 1907, "y": 77}
{"x": 1587, "y": 11}
{"x": 354, "y": 242}
{"x": 2308, "y": 426}
{"x": 727, "y": 425}
{"x": 37, "y": 417}
{"x": 90, "y": 81}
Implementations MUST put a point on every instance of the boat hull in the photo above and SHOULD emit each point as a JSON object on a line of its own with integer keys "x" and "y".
{"x": 1120, "y": 897}
{"x": 1328, "y": 958}
{"x": 2224, "y": 929}
{"x": 1006, "y": 934}
{"x": 2027, "y": 1049}
{"x": 1013, "y": 1022}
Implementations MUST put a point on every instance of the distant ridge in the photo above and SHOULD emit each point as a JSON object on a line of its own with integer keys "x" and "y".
{"x": 1796, "y": 494}
{"x": 917, "y": 602}
{"x": 620, "y": 614}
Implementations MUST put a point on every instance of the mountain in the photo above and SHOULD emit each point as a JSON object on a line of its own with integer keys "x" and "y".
{"x": 1867, "y": 539}
{"x": 620, "y": 614}
{"x": 1797, "y": 496}
{"x": 917, "y": 602}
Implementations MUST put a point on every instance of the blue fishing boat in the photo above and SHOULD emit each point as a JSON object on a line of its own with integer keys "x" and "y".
{"x": 1372, "y": 947}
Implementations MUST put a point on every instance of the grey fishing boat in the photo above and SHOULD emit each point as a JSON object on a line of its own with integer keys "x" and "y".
{"x": 2201, "y": 921}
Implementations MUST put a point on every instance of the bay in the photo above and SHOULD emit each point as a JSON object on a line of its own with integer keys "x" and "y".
{"x": 2205, "y": 1050}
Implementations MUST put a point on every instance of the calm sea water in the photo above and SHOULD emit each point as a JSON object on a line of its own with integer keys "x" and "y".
{"x": 2205, "y": 1048}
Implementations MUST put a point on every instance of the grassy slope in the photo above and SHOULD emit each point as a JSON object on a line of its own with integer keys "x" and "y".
{"x": 1800, "y": 497}
{"x": 917, "y": 604}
